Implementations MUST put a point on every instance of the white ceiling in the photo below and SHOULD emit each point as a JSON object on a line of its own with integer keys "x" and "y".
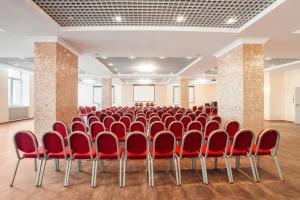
{"x": 22, "y": 22}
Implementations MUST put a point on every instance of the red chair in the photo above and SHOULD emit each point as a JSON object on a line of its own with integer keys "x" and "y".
{"x": 119, "y": 129}
{"x": 26, "y": 144}
{"x": 164, "y": 116}
{"x": 185, "y": 120}
{"x": 210, "y": 127}
{"x": 177, "y": 129}
{"x": 107, "y": 148}
{"x": 102, "y": 117}
{"x": 214, "y": 111}
{"x": 54, "y": 148}
{"x": 142, "y": 119}
{"x": 126, "y": 121}
{"x": 217, "y": 118}
{"x": 92, "y": 119}
{"x": 141, "y": 115}
{"x": 169, "y": 120}
{"x": 137, "y": 126}
{"x": 204, "y": 115}
{"x": 200, "y": 108}
{"x": 130, "y": 116}
{"x": 97, "y": 113}
{"x": 202, "y": 121}
{"x": 107, "y": 122}
{"x": 155, "y": 128}
{"x": 88, "y": 109}
{"x": 95, "y": 129}
{"x": 178, "y": 116}
{"x": 78, "y": 126}
{"x": 194, "y": 108}
{"x": 241, "y": 146}
{"x": 198, "y": 112}
{"x": 77, "y": 119}
{"x": 109, "y": 113}
{"x": 192, "y": 142}
{"x": 231, "y": 128}
{"x": 188, "y": 112}
{"x": 116, "y": 116}
{"x": 80, "y": 146}
{"x": 154, "y": 119}
{"x": 195, "y": 125}
{"x": 170, "y": 112}
{"x": 207, "y": 111}
{"x": 136, "y": 148}
{"x": 164, "y": 146}
{"x": 192, "y": 116}
{"x": 216, "y": 147}
{"x": 62, "y": 129}
{"x": 94, "y": 109}
{"x": 267, "y": 145}
{"x": 160, "y": 113}
{"x": 121, "y": 113}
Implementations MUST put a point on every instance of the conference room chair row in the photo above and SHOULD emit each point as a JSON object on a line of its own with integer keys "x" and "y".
{"x": 80, "y": 147}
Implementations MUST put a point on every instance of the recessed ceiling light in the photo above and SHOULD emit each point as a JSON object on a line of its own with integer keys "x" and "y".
{"x": 267, "y": 58}
{"x": 103, "y": 57}
{"x": 110, "y": 64}
{"x": 189, "y": 57}
{"x": 88, "y": 81}
{"x": 144, "y": 80}
{"x": 201, "y": 81}
{"x": 172, "y": 73}
{"x": 272, "y": 65}
{"x": 146, "y": 68}
{"x": 180, "y": 18}
{"x": 118, "y": 18}
{"x": 213, "y": 69}
{"x": 70, "y": 18}
{"x": 131, "y": 57}
{"x": 162, "y": 57}
{"x": 17, "y": 65}
{"x": 115, "y": 69}
{"x": 231, "y": 20}
{"x": 21, "y": 57}
{"x": 203, "y": 73}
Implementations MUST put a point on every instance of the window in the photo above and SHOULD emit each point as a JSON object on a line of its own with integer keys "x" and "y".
{"x": 113, "y": 94}
{"x": 14, "y": 88}
{"x": 176, "y": 94}
{"x": 97, "y": 95}
{"x": 143, "y": 92}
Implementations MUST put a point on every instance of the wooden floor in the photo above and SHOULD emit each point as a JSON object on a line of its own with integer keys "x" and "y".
{"x": 192, "y": 187}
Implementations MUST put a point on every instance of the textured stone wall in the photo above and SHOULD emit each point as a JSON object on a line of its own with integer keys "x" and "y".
{"x": 55, "y": 85}
{"x": 240, "y": 85}
{"x": 106, "y": 92}
{"x": 184, "y": 92}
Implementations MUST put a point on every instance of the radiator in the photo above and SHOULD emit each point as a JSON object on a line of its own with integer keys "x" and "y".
{"x": 18, "y": 113}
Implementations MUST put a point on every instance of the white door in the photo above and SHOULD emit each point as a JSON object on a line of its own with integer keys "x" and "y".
{"x": 297, "y": 105}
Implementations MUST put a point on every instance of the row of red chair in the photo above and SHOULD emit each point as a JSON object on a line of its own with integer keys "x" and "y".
{"x": 86, "y": 110}
{"x": 141, "y": 104}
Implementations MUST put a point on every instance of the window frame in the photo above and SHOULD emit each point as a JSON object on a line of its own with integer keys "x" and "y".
{"x": 190, "y": 86}
{"x": 11, "y": 80}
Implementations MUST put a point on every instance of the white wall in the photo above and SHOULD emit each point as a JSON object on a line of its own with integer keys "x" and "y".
{"x": 3, "y": 94}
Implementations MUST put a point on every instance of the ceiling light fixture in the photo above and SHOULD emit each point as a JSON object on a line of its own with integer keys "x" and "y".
{"x": 131, "y": 57}
{"x": 118, "y": 18}
{"x": 202, "y": 81}
{"x": 88, "y": 81}
{"x": 231, "y": 20}
{"x": 21, "y": 57}
{"x": 146, "y": 68}
{"x": 180, "y": 19}
{"x": 70, "y": 18}
{"x": 144, "y": 80}
{"x": 161, "y": 57}
{"x": 189, "y": 57}
{"x": 267, "y": 58}
{"x": 213, "y": 69}
{"x": 103, "y": 57}
{"x": 110, "y": 64}
{"x": 172, "y": 73}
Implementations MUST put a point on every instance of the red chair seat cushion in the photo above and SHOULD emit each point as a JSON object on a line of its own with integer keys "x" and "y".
{"x": 60, "y": 155}
{"x": 261, "y": 152}
{"x": 186, "y": 154}
{"x": 85, "y": 155}
{"x": 122, "y": 139}
{"x": 211, "y": 153}
{"x": 134, "y": 156}
{"x": 34, "y": 153}
{"x": 161, "y": 155}
{"x": 236, "y": 152}
{"x": 111, "y": 156}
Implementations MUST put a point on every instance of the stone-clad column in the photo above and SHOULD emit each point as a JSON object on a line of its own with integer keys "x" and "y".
{"x": 240, "y": 85}
{"x": 184, "y": 92}
{"x": 55, "y": 85}
{"x": 106, "y": 92}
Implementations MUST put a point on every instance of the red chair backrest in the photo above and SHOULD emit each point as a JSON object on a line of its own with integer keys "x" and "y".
{"x": 268, "y": 139}
{"x": 77, "y": 119}
{"x": 178, "y": 116}
{"x": 160, "y": 113}
{"x": 61, "y": 128}
{"x": 107, "y": 143}
{"x": 53, "y": 142}
{"x": 202, "y": 121}
{"x": 169, "y": 120}
{"x": 185, "y": 120}
{"x": 195, "y": 125}
{"x": 96, "y": 128}
{"x": 204, "y": 115}
{"x": 78, "y": 126}
{"x": 136, "y": 143}
{"x": 156, "y": 127}
{"x": 154, "y": 119}
{"x": 80, "y": 143}
{"x": 188, "y": 112}
{"x": 137, "y": 126}
{"x": 92, "y": 119}
{"x": 192, "y": 116}
{"x": 194, "y": 108}
{"x": 164, "y": 142}
{"x": 102, "y": 116}
{"x": 116, "y": 116}
{"x": 25, "y": 141}
{"x": 214, "y": 111}
{"x": 192, "y": 141}
{"x": 210, "y": 127}
{"x": 118, "y": 128}
{"x": 97, "y": 113}
{"x": 88, "y": 109}
{"x": 109, "y": 113}
{"x": 217, "y": 141}
{"x": 91, "y": 114}
{"x": 176, "y": 128}
{"x": 164, "y": 116}
{"x": 170, "y": 112}
{"x": 108, "y": 121}
{"x": 129, "y": 115}
{"x": 243, "y": 141}
{"x": 232, "y": 127}
{"x": 198, "y": 112}
{"x": 217, "y": 118}
{"x": 142, "y": 119}
{"x": 207, "y": 110}
{"x": 94, "y": 108}
{"x": 126, "y": 121}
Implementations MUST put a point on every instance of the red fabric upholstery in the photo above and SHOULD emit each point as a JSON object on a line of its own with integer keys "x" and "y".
{"x": 210, "y": 127}
{"x": 185, "y": 120}
{"x": 116, "y": 116}
{"x": 169, "y": 120}
{"x": 119, "y": 129}
{"x": 261, "y": 152}
{"x": 93, "y": 119}
{"x": 154, "y": 119}
{"x": 178, "y": 116}
{"x": 232, "y": 127}
{"x": 107, "y": 144}
{"x": 202, "y": 121}
{"x": 25, "y": 141}
{"x": 268, "y": 139}
{"x": 96, "y": 128}
{"x": 192, "y": 141}
{"x": 142, "y": 119}
{"x": 79, "y": 144}
{"x": 52, "y": 142}
{"x": 217, "y": 118}
{"x": 85, "y": 155}
{"x": 60, "y": 127}
{"x": 137, "y": 126}
{"x": 243, "y": 140}
{"x": 59, "y": 155}
{"x": 102, "y": 116}
{"x": 187, "y": 154}
{"x": 77, "y": 119}
{"x": 155, "y": 128}
{"x": 177, "y": 129}
{"x": 107, "y": 122}
{"x": 136, "y": 146}
{"x": 126, "y": 121}
{"x": 217, "y": 141}
{"x": 78, "y": 126}
{"x": 111, "y": 156}
{"x": 33, "y": 154}
{"x": 192, "y": 116}
{"x": 164, "y": 116}
{"x": 194, "y": 125}
{"x": 211, "y": 153}
{"x": 163, "y": 145}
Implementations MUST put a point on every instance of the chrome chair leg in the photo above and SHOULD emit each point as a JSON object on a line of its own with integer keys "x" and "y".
{"x": 39, "y": 173}
{"x": 15, "y": 172}
{"x": 79, "y": 165}
{"x": 256, "y": 168}
{"x": 68, "y": 171}
{"x": 176, "y": 171}
{"x": 204, "y": 171}
{"x": 42, "y": 173}
{"x": 278, "y": 168}
{"x": 179, "y": 170}
{"x": 253, "y": 168}
{"x": 229, "y": 172}
{"x": 124, "y": 172}
{"x": 120, "y": 173}
{"x": 237, "y": 162}
{"x": 93, "y": 179}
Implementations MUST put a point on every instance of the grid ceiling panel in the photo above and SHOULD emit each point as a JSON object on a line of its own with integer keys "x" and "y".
{"x": 27, "y": 62}
{"x": 125, "y": 65}
{"x": 196, "y": 13}
{"x": 279, "y": 61}
{"x": 143, "y": 80}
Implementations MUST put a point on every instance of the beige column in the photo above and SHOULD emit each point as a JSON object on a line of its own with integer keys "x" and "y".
{"x": 184, "y": 92}
{"x": 55, "y": 85}
{"x": 106, "y": 92}
{"x": 240, "y": 85}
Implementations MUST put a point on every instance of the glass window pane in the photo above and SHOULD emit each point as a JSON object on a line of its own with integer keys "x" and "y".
{"x": 14, "y": 74}
{"x": 97, "y": 94}
{"x": 175, "y": 94}
{"x": 191, "y": 94}
{"x": 9, "y": 91}
{"x": 16, "y": 92}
